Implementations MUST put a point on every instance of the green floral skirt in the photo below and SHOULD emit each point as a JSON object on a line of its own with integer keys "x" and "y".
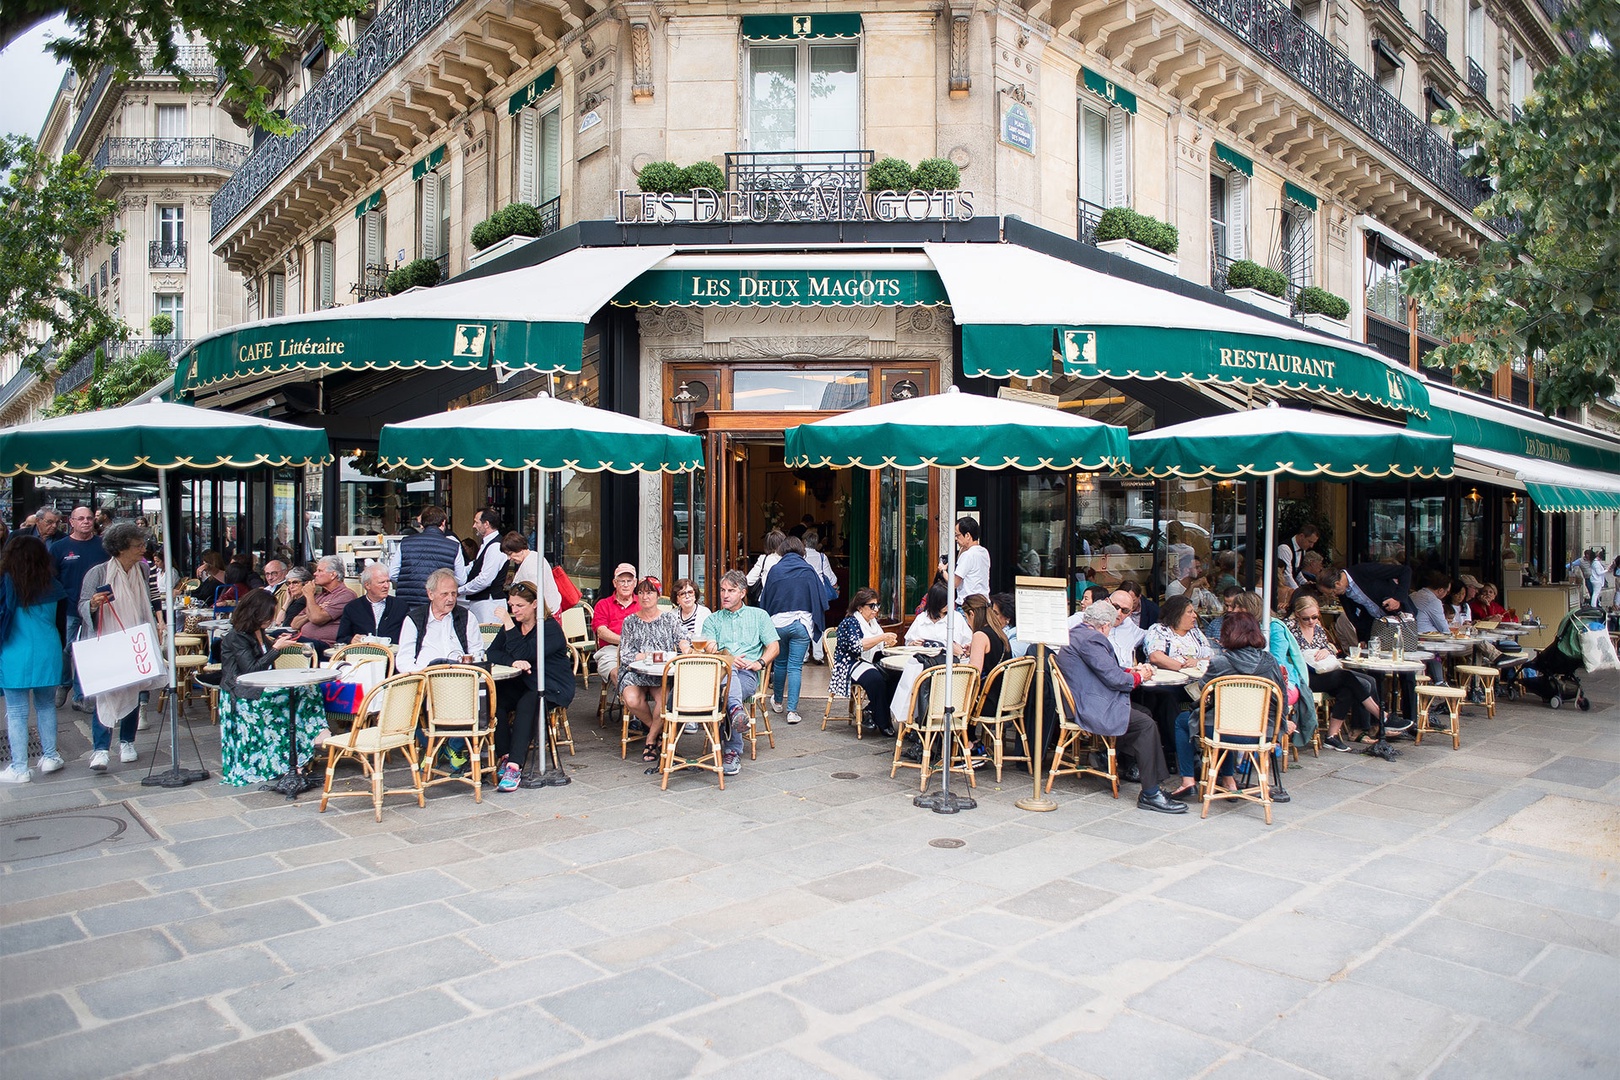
{"x": 253, "y": 734}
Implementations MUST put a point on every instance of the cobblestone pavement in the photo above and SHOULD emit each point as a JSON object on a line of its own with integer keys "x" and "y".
{"x": 1450, "y": 914}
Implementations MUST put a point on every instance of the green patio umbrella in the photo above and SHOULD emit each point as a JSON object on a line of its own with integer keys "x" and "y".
{"x": 161, "y": 436}
{"x": 957, "y": 431}
{"x": 1273, "y": 442}
{"x": 539, "y": 433}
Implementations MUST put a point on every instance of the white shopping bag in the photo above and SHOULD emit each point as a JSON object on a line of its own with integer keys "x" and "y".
{"x": 120, "y": 658}
{"x": 1597, "y": 652}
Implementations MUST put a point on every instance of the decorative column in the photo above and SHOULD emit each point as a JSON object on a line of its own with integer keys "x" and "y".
{"x": 641, "y": 85}
{"x": 961, "y": 79}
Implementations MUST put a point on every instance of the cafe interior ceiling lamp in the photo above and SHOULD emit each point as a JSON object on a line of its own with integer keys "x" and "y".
{"x": 685, "y": 403}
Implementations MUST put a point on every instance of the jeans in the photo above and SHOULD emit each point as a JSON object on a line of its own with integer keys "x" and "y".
{"x": 1184, "y": 746}
{"x": 742, "y": 687}
{"x": 101, "y": 737}
{"x": 795, "y": 641}
{"x": 70, "y": 676}
{"x": 17, "y": 722}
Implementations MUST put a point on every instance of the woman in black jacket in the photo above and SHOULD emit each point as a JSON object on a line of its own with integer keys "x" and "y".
{"x": 253, "y": 722}
{"x": 526, "y": 622}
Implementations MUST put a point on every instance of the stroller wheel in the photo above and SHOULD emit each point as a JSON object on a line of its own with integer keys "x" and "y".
{"x": 1584, "y": 703}
{"x": 1555, "y": 702}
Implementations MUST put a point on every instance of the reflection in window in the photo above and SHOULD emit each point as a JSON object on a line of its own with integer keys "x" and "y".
{"x": 779, "y": 390}
{"x": 803, "y": 97}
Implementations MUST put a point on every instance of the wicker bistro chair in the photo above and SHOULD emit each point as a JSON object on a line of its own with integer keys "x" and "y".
{"x": 388, "y": 719}
{"x": 849, "y": 709}
{"x": 1451, "y": 699}
{"x": 357, "y": 654}
{"x": 1246, "y": 712}
{"x": 695, "y": 686}
{"x": 576, "y": 627}
{"x": 759, "y": 713}
{"x": 1076, "y": 742}
{"x": 294, "y": 657}
{"x": 1485, "y": 675}
{"x": 454, "y": 711}
{"x": 1015, "y": 677}
{"x": 964, "y": 687}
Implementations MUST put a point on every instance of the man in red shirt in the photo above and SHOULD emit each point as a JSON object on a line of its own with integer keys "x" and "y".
{"x": 607, "y": 619}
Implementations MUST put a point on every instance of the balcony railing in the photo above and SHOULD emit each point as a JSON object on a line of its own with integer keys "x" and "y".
{"x": 194, "y": 60}
{"x": 1434, "y": 34}
{"x": 169, "y": 255}
{"x": 77, "y": 375}
{"x": 807, "y": 182}
{"x": 396, "y": 30}
{"x": 170, "y": 153}
{"x": 444, "y": 266}
{"x": 1090, "y": 214}
{"x": 173, "y": 346}
{"x": 15, "y": 385}
{"x": 1476, "y": 78}
{"x": 1308, "y": 58}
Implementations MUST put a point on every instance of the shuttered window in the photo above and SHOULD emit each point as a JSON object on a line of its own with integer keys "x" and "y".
{"x": 325, "y": 274}
{"x": 1104, "y": 155}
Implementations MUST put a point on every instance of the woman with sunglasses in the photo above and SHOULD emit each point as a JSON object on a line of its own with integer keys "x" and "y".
{"x": 1349, "y": 687}
{"x": 687, "y": 609}
{"x": 516, "y": 645}
{"x": 859, "y": 639}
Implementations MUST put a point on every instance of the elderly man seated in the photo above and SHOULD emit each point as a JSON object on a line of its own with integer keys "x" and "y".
{"x": 748, "y": 636}
{"x": 1102, "y": 694}
{"x": 376, "y": 614}
{"x": 324, "y": 604}
{"x": 438, "y": 630}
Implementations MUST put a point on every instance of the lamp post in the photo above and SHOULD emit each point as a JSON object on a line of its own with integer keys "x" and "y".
{"x": 685, "y": 403}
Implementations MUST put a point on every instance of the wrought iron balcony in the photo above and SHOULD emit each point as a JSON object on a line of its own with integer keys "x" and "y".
{"x": 444, "y": 266}
{"x": 803, "y": 180}
{"x": 1308, "y": 58}
{"x": 396, "y": 30}
{"x": 1476, "y": 78}
{"x": 1090, "y": 214}
{"x": 170, "y": 255}
{"x": 15, "y": 385}
{"x": 170, "y": 153}
{"x": 1433, "y": 33}
{"x": 77, "y": 375}
{"x": 169, "y": 346}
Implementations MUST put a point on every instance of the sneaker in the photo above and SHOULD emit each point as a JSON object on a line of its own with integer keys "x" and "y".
{"x": 731, "y": 763}
{"x": 1334, "y": 742}
{"x": 50, "y": 763}
{"x": 458, "y": 760}
{"x": 15, "y": 774}
{"x": 98, "y": 761}
{"x": 1396, "y": 727}
{"x": 126, "y": 752}
{"x": 511, "y": 777}
{"x": 793, "y": 717}
{"x": 62, "y": 695}
{"x": 776, "y": 706}
{"x": 691, "y": 729}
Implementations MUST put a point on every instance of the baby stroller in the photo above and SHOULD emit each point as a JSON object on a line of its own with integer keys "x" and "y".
{"x": 1554, "y": 667}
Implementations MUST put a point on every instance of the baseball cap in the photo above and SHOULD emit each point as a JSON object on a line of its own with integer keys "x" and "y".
{"x": 623, "y": 569}
{"x": 1470, "y": 580}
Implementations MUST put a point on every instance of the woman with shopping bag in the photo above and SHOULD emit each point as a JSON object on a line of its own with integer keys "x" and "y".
{"x": 125, "y": 656}
{"x": 30, "y": 652}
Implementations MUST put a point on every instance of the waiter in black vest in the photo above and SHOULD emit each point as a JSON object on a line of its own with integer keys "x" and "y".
{"x": 485, "y": 587}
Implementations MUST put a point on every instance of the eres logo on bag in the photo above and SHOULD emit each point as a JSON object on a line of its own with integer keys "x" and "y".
{"x": 143, "y": 653}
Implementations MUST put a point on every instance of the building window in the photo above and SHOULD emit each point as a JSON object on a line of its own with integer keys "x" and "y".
{"x": 325, "y": 274}
{"x": 433, "y": 212}
{"x": 1386, "y": 66}
{"x": 171, "y": 131}
{"x": 373, "y": 253}
{"x": 1518, "y": 80}
{"x": 171, "y": 228}
{"x": 1476, "y": 33}
{"x": 803, "y": 97}
{"x": 1104, "y": 156}
{"x": 275, "y": 295}
{"x": 1228, "y": 221}
{"x": 105, "y": 279}
{"x": 1296, "y": 243}
{"x": 539, "y": 149}
{"x": 174, "y": 306}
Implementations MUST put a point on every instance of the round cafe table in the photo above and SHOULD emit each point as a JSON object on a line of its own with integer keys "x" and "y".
{"x": 1390, "y": 668}
{"x": 293, "y": 782}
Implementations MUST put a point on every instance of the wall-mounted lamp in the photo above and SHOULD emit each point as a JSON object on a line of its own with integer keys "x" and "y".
{"x": 1473, "y": 500}
{"x": 685, "y": 403}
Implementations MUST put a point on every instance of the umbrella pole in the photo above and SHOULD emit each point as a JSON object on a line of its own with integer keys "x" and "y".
{"x": 1269, "y": 552}
{"x": 946, "y": 801}
{"x": 1036, "y": 750}
{"x": 549, "y": 775}
{"x": 175, "y": 776}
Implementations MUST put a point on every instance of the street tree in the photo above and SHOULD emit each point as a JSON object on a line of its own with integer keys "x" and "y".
{"x": 47, "y": 208}
{"x": 143, "y": 35}
{"x": 1549, "y": 291}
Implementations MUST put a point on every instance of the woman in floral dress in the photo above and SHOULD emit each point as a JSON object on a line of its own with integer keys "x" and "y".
{"x": 648, "y": 630}
{"x": 253, "y": 722}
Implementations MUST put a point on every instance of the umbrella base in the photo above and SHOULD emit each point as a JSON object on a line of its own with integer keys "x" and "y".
{"x": 1039, "y": 805}
{"x": 945, "y": 802}
{"x": 174, "y": 778}
{"x": 552, "y": 777}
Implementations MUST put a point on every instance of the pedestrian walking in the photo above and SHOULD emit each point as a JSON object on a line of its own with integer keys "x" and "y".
{"x": 30, "y": 653}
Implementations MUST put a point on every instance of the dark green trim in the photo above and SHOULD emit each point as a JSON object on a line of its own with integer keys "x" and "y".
{"x": 1299, "y": 195}
{"x": 1561, "y": 500}
{"x": 368, "y": 204}
{"x": 532, "y": 93}
{"x": 1466, "y": 430}
{"x": 427, "y": 164}
{"x": 783, "y": 288}
{"x": 1109, "y": 89}
{"x": 1242, "y": 164}
{"x": 800, "y": 27}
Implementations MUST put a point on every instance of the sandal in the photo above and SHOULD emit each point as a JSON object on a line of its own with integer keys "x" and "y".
{"x": 649, "y": 753}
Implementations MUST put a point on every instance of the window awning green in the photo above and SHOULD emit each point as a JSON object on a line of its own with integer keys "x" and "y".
{"x": 801, "y": 27}
{"x": 1299, "y": 195}
{"x": 427, "y": 164}
{"x": 1475, "y": 422}
{"x": 1104, "y": 87}
{"x": 532, "y": 93}
{"x": 1555, "y": 499}
{"x": 1242, "y": 164}
{"x": 789, "y": 287}
{"x": 368, "y": 204}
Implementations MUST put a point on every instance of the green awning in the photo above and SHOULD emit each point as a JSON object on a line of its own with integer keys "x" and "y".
{"x": 1471, "y": 421}
{"x": 427, "y": 164}
{"x": 1289, "y": 443}
{"x": 368, "y": 204}
{"x": 783, "y": 288}
{"x": 1242, "y": 164}
{"x": 1299, "y": 195}
{"x": 1559, "y": 500}
{"x": 532, "y": 93}
{"x": 1097, "y": 84}
{"x": 800, "y": 27}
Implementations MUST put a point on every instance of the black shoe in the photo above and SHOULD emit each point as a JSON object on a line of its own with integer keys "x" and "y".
{"x": 1160, "y": 803}
{"x": 1396, "y": 727}
{"x": 1131, "y": 774}
{"x": 887, "y": 731}
{"x": 913, "y": 754}
{"x": 1334, "y": 742}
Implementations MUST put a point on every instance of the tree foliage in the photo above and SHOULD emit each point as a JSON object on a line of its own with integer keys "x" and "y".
{"x": 49, "y": 207}
{"x": 117, "y": 383}
{"x": 1550, "y": 290}
{"x": 142, "y": 35}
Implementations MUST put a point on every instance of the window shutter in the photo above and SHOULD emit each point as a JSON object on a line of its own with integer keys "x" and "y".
{"x": 550, "y": 156}
{"x": 1093, "y": 157}
{"x": 278, "y": 295}
{"x": 1119, "y": 158}
{"x": 527, "y": 185}
{"x": 326, "y": 269}
{"x": 373, "y": 249}
{"x": 430, "y": 216}
{"x": 1237, "y": 222}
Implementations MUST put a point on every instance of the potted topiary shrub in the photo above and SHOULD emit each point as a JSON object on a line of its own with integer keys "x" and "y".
{"x": 1141, "y": 238}
{"x": 505, "y": 230}
{"x": 889, "y": 174}
{"x": 673, "y": 186}
{"x": 418, "y": 273}
{"x": 1321, "y": 310}
{"x": 162, "y": 326}
{"x": 704, "y": 174}
{"x": 1258, "y": 285}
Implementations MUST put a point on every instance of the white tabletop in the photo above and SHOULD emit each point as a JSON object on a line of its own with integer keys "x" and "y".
{"x": 282, "y": 678}
{"x": 1449, "y": 646}
{"x": 648, "y": 667}
{"x": 1166, "y": 677}
{"x": 1384, "y": 664}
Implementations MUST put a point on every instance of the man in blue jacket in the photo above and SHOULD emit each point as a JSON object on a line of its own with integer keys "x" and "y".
{"x": 1102, "y": 695}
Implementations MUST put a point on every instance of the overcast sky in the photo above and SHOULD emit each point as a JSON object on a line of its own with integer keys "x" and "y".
{"x": 30, "y": 76}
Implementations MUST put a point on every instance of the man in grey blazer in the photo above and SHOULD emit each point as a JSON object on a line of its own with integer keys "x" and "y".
{"x": 1102, "y": 694}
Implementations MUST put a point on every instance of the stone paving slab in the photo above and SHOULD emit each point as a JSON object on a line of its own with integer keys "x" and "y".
{"x": 1454, "y": 913}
